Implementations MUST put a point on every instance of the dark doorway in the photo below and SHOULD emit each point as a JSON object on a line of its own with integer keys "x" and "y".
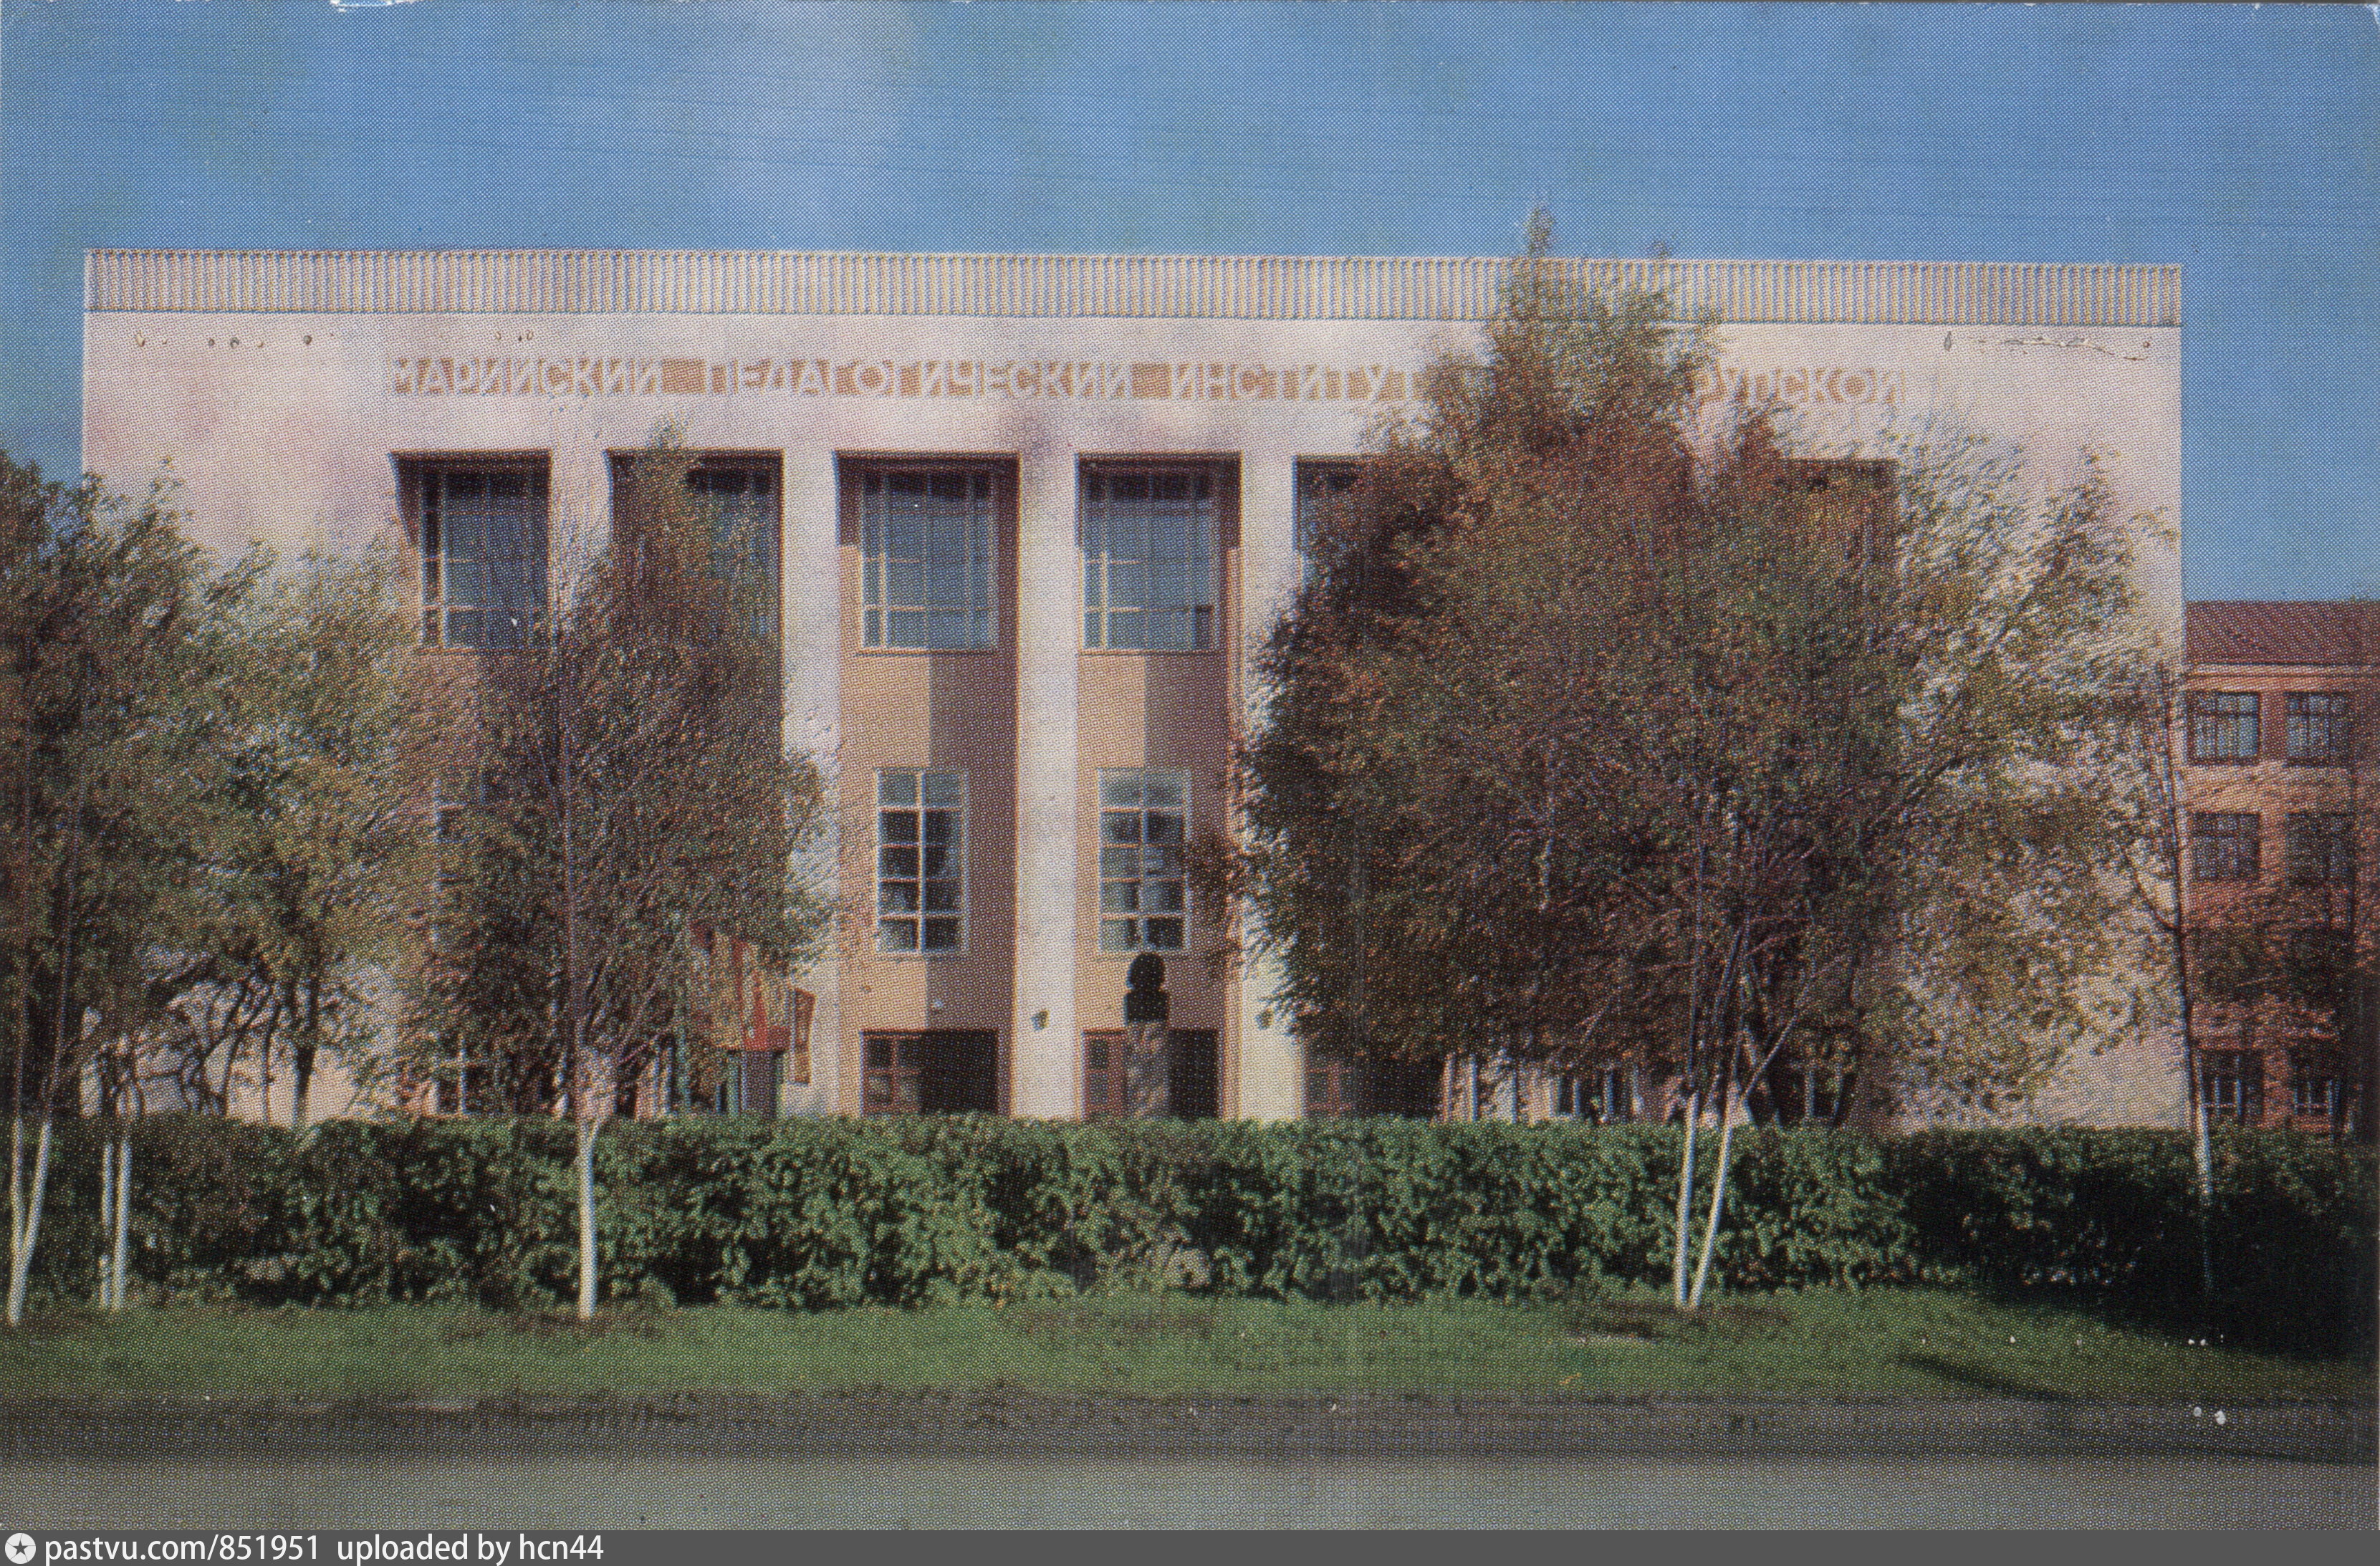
{"x": 944, "y": 1072}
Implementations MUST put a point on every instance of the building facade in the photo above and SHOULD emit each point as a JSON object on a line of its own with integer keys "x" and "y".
{"x": 1029, "y": 516}
{"x": 2280, "y": 702}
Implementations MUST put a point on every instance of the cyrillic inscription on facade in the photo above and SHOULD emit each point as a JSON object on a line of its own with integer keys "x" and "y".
{"x": 1061, "y": 380}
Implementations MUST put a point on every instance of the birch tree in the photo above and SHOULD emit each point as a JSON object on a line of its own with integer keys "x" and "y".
{"x": 632, "y": 797}
{"x": 107, "y": 608}
{"x": 1606, "y": 728}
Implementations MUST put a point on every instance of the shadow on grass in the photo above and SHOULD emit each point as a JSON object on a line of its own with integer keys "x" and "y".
{"x": 1976, "y": 1378}
{"x": 2284, "y": 1327}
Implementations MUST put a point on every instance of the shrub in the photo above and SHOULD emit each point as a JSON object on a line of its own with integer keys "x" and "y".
{"x": 812, "y": 1214}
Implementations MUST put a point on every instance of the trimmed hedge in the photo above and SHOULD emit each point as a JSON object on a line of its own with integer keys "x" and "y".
{"x": 820, "y": 1213}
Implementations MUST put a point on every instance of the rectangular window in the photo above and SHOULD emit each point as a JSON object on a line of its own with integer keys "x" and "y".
{"x": 2320, "y": 846}
{"x": 2223, "y": 844}
{"x": 2316, "y": 1085}
{"x": 926, "y": 556}
{"x": 2317, "y": 726}
{"x": 1144, "y": 824}
{"x": 941, "y": 1072}
{"x": 1150, "y": 538}
{"x": 2234, "y": 1084}
{"x": 480, "y": 527}
{"x": 920, "y": 861}
{"x": 2223, "y": 725}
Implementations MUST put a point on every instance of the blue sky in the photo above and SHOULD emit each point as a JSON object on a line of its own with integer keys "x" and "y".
{"x": 2242, "y": 142}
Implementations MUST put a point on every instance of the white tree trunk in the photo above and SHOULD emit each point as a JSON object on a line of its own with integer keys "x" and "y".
{"x": 587, "y": 1129}
{"x": 106, "y": 1293}
{"x": 25, "y": 1225}
{"x": 1717, "y": 1201}
{"x": 1685, "y": 1199}
{"x": 116, "y": 1279}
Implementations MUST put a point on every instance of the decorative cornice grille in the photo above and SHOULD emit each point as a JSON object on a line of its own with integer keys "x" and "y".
{"x": 1194, "y": 287}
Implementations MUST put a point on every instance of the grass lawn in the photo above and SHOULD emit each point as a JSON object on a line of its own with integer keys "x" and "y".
{"x": 1891, "y": 1343}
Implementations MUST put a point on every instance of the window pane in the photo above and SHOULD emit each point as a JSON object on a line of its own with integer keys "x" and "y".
{"x": 896, "y": 935}
{"x": 1149, "y": 558}
{"x": 926, "y": 542}
{"x": 896, "y": 788}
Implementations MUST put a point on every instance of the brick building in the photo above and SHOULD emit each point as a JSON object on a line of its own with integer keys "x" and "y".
{"x": 2280, "y": 706}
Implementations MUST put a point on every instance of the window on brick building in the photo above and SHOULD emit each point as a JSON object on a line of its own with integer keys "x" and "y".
{"x": 2318, "y": 727}
{"x": 2223, "y": 725}
{"x": 1150, "y": 540}
{"x": 2223, "y": 845}
{"x": 2233, "y": 1084}
{"x": 1144, "y": 889}
{"x": 480, "y": 529}
{"x": 2316, "y": 1084}
{"x": 2320, "y": 846}
{"x": 920, "y": 861}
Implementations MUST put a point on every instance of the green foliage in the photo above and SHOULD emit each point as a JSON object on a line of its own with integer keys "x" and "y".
{"x": 838, "y": 1213}
{"x": 628, "y": 800}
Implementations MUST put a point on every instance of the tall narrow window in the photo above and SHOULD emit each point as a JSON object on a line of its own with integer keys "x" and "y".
{"x": 2317, "y": 726}
{"x": 2223, "y": 725}
{"x": 2233, "y": 1085}
{"x": 926, "y": 556}
{"x": 1144, "y": 898}
{"x": 920, "y": 861}
{"x": 1150, "y": 538}
{"x": 2223, "y": 845}
{"x": 481, "y": 527}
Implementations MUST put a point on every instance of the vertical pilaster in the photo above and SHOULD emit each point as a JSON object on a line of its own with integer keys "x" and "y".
{"x": 1269, "y": 1058}
{"x": 1045, "y": 1070}
{"x": 811, "y": 626}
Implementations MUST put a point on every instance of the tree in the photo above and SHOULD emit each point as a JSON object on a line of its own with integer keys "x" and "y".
{"x": 322, "y": 842}
{"x": 107, "y": 612}
{"x": 1605, "y": 727}
{"x": 631, "y": 801}
{"x": 2148, "y": 795}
